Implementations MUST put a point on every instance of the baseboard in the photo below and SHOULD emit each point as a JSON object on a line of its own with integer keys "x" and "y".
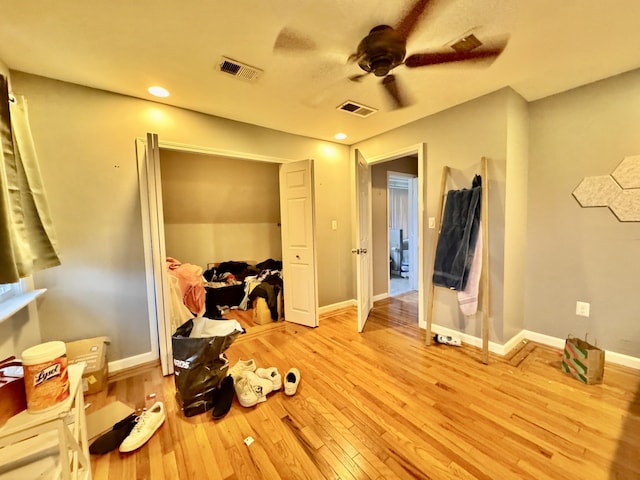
{"x": 503, "y": 349}
{"x": 496, "y": 348}
{"x": 129, "y": 362}
{"x": 543, "y": 339}
{"x": 381, "y": 296}
{"x": 336, "y": 306}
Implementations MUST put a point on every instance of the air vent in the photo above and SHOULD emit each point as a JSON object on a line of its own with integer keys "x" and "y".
{"x": 239, "y": 70}
{"x": 466, "y": 44}
{"x": 357, "y": 109}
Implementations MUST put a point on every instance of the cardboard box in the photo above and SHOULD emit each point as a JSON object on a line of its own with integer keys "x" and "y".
{"x": 92, "y": 351}
{"x": 262, "y": 313}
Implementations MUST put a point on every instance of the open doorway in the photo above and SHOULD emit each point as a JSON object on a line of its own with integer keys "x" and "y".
{"x": 410, "y": 162}
{"x": 402, "y": 220}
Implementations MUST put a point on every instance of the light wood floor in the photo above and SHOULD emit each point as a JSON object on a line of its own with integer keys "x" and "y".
{"x": 382, "y": 405}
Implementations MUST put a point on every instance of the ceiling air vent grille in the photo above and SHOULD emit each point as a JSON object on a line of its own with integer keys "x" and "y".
{"x": 239, "y": 70}
{"x": 357, "y": 109}
{"x": 466, "y": 44}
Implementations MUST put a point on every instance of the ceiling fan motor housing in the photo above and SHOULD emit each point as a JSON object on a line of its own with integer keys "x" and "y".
{"x": 381, "y": 51}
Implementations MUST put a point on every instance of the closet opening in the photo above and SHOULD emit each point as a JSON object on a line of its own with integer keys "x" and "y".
{"x": 273, "y": 218}
{"x": 222, "y": 219}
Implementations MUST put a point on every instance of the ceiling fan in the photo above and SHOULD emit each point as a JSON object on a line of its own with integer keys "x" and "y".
{"x": 384, "y": 49}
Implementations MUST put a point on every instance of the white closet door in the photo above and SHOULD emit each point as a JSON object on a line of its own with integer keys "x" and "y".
{"x": 148, "y": 154}
{"x": 297, "y": 212}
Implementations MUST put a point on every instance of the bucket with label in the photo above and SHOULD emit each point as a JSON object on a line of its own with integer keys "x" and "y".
{"x": 46, "y": 379}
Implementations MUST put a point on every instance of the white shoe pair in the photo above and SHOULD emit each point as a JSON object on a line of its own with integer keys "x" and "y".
{"x": 252, "y": 388}
{"x": 253, "y": 384}
{"x": 148, "y": 423}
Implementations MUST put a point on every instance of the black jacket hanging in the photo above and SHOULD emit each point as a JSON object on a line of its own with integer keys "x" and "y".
{"x": 458, "y": 234}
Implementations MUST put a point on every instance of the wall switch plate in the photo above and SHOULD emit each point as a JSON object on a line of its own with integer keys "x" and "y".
{"x": 334, "y": 224}
{"x": 582, "y": 309}
{"x": 432, "y": 222}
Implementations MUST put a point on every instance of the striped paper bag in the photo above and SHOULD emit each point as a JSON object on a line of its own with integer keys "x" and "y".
{"x": 583, "y": 360}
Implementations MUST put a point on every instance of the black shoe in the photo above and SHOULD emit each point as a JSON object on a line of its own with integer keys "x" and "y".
{"x": 113, "y": 438}
{"x": 224, "y": 398}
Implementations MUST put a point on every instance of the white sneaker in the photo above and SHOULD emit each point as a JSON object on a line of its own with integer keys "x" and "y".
{"x": 261, "y": 386}
{"x": 272, "y": 374}
{"x": 245, "y": 393}
{"x": 240, "y": 367}
{"x": 147, "y": 424}
{"x": 291, "y": 381}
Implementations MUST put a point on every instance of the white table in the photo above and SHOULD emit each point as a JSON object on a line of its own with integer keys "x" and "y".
{"x": 51, "y": 444}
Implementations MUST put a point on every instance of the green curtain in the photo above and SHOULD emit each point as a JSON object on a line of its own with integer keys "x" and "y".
{"x": 27, "y": 239}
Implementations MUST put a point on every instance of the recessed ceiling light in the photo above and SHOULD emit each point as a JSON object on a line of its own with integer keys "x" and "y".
{"x": 158, "y": 91}
{"x": 340, "y": 136}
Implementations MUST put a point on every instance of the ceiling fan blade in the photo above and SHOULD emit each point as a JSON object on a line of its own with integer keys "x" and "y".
{"x": 437, "y": 58}
{"x": 290, "y": 40}
{"x": 391, "y": 87}
{"x": 410, "y": 20}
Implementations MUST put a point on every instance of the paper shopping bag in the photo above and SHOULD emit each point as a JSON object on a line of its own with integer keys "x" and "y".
{"x": 583, "y": 360}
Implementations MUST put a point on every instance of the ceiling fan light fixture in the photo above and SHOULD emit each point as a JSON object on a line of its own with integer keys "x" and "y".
{"x": 381, "y": 51}
{"x": 381, "y": 66}
{"x": 158, "y": 91}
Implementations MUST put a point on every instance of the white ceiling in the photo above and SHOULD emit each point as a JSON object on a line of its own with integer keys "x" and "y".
{"x": 126, "y": 46}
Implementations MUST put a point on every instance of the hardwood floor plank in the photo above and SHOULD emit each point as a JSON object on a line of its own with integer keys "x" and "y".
{"x": 382, "y": 405}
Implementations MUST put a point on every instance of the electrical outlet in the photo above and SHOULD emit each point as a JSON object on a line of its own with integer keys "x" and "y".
{"x": 582, "y": 309}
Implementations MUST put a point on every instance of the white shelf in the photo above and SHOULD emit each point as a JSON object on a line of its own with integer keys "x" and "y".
{"x": 36, "y": 457}
{"x": 14, "y": 304}
{"x": 49, "y": 444}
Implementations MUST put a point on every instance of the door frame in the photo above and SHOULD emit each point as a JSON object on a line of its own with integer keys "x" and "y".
{"x": 149, "y": 180}
{"x": 421, "y": 150}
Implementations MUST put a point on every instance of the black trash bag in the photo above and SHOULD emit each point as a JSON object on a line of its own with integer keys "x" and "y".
{"x": 200, "y": 366}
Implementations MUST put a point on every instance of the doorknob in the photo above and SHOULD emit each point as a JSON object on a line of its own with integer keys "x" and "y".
{"x": 356, "y": 251}
{"x": 364, "y": 250}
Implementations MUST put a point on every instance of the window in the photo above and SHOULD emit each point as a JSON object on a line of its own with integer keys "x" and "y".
{"x": 8, "y": 290}
{"x": 15, "y": 296}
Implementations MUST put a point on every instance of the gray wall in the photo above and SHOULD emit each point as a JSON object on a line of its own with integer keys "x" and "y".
{"x": 219, "y": 208}
{"x": 460, "y": 137}
{"x": 576, "y": 253}
{"x": 546, "y": 252}
{"x": 85, "y": 142}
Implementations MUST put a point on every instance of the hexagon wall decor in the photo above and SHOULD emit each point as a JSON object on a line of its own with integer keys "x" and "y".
{"x": 597, "y": 191}
{"x": 626, "y": 206}
{"x": 627, "y": 174}
{"x": 620, "y": 191}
